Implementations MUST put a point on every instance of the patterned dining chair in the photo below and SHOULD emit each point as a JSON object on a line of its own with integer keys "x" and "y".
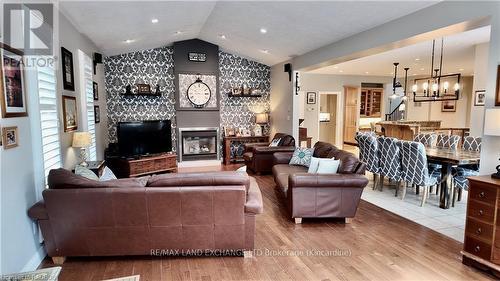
{"x": 368, "y": 154}
{"x": 460, "y": 174}
{"x": 448, "y": 141}
{"x": 414, "y": 167}
{"x": 389, "y": 161}
{"x": 426, "y": 139}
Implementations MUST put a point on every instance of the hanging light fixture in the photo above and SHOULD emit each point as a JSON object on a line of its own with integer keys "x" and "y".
{"x": 436, "y": 87}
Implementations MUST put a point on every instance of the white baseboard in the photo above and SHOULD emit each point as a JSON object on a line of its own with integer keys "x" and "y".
{"x": 35, "y": 260}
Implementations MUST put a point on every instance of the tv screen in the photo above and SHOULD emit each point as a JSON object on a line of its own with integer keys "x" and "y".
{"x": 144, "y": 137}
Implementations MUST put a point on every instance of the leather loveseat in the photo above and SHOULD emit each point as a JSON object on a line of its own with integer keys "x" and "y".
{"x": 160, "y": 215}
{"x": 321, "y": 195}
{"x": 259, "y": 156}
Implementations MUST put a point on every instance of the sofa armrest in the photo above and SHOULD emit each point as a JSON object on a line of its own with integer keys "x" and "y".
{"x": 38, "y": 211}
{"x": 272, "y": 149}
{"x": 282, "y": 157}
{"x": 327, "y": 180}
{"x": 254, "y": 203}
{"x": 249, "y": 146}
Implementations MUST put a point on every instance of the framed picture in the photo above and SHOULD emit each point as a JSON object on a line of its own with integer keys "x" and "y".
{"x": 67, "y": 69}
{"x": 479, "y": 98}
{"x": 143, "y": 89}
{"x": 70, "y": 114}
{"x": 449, "y": 106}
{"x": 97, "y": 114}
{"x": 229, "y": 132}
{"x": 236, "y": 91}
{"x": 96, "y": 90}
{"x": 244, "y": 132}
{"x": 497, "y": 96}
{"x": 311, "y": 98}
{"x": 12, "y": 90}
{"x": 9, "y": 137}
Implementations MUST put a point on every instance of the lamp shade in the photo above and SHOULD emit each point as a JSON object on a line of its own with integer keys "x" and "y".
{"x": 491, "y": 122}
{"x": 81, "y": 139}
{"x": 261, "y": 118}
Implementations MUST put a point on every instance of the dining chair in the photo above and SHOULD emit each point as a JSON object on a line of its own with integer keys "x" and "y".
{"x": 368, "y": 154}
{"x": 389, "y": 161}
{"x": 460, "y": 174}
{"x": 448, "y": 141}
{"x": 426, "y": 139}
{"x": 414, "y": 168}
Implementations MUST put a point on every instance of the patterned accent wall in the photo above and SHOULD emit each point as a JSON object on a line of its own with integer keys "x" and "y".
{"x": 234, "y": 72}
{"x": 154, "y": 66}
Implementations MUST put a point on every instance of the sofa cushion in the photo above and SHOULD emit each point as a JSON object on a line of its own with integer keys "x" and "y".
{"x": 85, "y": 172}
{"x": 328, "y": 166}
{"x": 348, "y": 161}
{"x": 281, "y": 173}
{"x": 62, "y": 179}
{"x": 199, "y": 179}
{"x": 324, "y": 150}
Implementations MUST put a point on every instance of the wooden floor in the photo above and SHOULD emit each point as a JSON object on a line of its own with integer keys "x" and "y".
{"x": 378, "y": 245}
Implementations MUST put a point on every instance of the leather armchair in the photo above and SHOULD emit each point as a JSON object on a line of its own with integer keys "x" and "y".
{"x": 259, "y": 156}
{"x": 321, "y": 195}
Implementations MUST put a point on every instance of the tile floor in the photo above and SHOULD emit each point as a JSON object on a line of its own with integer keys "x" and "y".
{"x": 450, "y": 222}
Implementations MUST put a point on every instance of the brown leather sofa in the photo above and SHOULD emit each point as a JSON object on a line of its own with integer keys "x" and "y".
{"x": 259, "y": 156}
{"x": 160, "y": 215}
{"x": 321, "y": 195}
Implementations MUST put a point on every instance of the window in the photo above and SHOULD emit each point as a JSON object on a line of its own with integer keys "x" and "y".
{"x": 89, "y": 93}
{"x": 49, "y": 121}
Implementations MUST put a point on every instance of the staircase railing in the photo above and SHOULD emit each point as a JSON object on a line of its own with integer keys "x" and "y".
{"x": 396, "y": 114}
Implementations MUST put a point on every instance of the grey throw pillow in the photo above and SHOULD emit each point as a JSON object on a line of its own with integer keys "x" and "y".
{"x": 85, "y": 172}
{"x": 302, "y": 156}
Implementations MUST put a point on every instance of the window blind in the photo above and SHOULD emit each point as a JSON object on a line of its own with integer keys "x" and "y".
{"x": 89, "y": 90}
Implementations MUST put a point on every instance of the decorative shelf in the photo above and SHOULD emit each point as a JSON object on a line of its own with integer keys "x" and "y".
{"x": 142, "y": 94}
{"x": 243, "y": 96}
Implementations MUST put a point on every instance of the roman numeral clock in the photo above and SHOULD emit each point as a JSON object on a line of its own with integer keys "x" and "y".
{"x": 199, "y": 93}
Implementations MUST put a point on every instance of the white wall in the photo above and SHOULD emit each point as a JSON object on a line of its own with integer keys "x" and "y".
{"x": 480, "y": 83}
{"x": 281, "y": 101}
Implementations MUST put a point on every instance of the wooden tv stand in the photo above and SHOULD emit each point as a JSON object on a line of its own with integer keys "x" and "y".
{"x": 146, "y": 165}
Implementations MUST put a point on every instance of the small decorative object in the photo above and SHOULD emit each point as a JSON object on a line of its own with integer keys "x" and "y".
{"x": 246, "y": 89}
{"x": 197, "y": 57}
{"x": 480, "y": 98}
{"x": 257, "y": 130}
{"x": 96, "y": 89}
{"x": 13, "y": 97}
{"x": 497, "y": 174}
{"x": 449, "y": 106}
{"x": 82, "y": 140}
{"x": 97, "y": 114}
{"x": 128, "y": 90}
{"x": 245, "y": 132}
{"x": 67, "y": 68}
{"x": 497, "y": 96}
{"x": 157, "y": 90}
{"x": 10, "y": 137}
{"x": 143, "y": 89}
{"x": 199, "y": 93}
{"x": 311, "y": 98}
{"x": 69, "y": 114}
{"x": 229, "y": 132}
{"x": 236, "y": 91}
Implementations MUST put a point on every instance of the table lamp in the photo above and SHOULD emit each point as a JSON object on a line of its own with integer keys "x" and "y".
{"x": 82, "y": 140}
{"x": 492, "y": 128}
{"x": 260, "y": 120}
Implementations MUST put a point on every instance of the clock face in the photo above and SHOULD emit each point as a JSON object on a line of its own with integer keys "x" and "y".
{"x": 199, "y": 93}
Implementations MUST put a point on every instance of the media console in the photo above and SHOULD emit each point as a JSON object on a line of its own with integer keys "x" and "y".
{"x": 143, "y": 165}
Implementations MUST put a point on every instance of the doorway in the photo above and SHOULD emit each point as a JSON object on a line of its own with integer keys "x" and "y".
{"x": 328, "y": 120}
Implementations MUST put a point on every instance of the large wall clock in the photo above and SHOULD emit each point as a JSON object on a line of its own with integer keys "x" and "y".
{"x": 199, "y": 93}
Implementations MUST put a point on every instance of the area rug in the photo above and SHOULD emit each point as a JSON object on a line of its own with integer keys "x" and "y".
{"x": 242, "y": 169}
{"x": 127, "y": 278}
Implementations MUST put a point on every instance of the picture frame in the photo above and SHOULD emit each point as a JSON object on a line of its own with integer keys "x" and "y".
{"x": 12, "y": 87}
{"x": 67, "y": 69}
{"x": 97, "y": 114}
{"x": 10, "y": 137}
{"x": 229, "y": 132}
{"x": 311, "y": 98}
{"x": 449, "y": 105}
{"x": 143, "y": 89}
{"x": 70, "y": 114}
{"x": 95, "y": 88}
{"x": 497, "y": 94}
{"x": 479, "y": 98}
{"x": 244, "y": 132}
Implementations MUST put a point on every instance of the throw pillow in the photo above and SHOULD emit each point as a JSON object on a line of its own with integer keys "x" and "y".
{"x": 313, "y": 167}
{"x": 328, "y": 166}
{"x": 85, "y": 172}
{"x": 302, "y": 156}
{"x": 107, "y": 175}
{"x": 275, "y": 142}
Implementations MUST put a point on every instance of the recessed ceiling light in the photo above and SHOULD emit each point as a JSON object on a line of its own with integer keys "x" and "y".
{"x": 222, "y": 36}
{"x": 341, "y": 70}
{"x": 335, "y": 67}
{"x": 265, "y": 51}
{"x": 263, "y": 30}
{"x": 414, "y": 74}
{"x": 461, "y": 69}
{"x": 422, "y": 68}
{"x": 366, "y": 72}
{"x": 178, "y": 32}
{"x": 154, "y": 20}
{"x": 128, "y": 41}
{"x": 417, "y": 59}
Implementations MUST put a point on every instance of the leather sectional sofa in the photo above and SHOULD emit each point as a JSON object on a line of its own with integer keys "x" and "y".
{"x": 321, "y": 195}
{"x": 165, "y": 214}
{"x": 259, "y": 156}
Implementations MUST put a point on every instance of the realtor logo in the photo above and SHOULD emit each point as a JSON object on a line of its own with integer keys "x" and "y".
{"x": 29, "y": 27}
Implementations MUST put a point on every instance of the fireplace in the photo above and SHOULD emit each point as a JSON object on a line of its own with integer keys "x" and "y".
{"x": 198, "y": 144}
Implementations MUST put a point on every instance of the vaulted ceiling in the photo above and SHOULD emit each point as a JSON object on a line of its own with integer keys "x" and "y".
{"x": 292, "y": 27}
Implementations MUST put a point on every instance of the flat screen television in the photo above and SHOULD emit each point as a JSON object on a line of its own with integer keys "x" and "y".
{"x": 144, "y": 137}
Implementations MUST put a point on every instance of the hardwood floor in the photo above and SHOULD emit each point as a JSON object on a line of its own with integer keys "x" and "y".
{"x": 377, "y": 245}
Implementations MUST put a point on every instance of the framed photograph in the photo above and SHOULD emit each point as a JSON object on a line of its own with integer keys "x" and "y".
{"x": 236, "y": 91}
{"x": 143, "y": 89}
{"x": 70, "y": 114}
{"x": 497, "y": 96}
{"x": 479, "y": 98}
{"x": 10, "y": 137}
{"x": 449, "y": 106}
{"x": 12, "y": 90}
{"x": 229, "y": 132}
{"x": 244, "y": 132}
{"x": 97, "y": 114}
{"x": 311, "y": 98}
{"x": 67, "y": 69}
{"x": 96, "y": 90}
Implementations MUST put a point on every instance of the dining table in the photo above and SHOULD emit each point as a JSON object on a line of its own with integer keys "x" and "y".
{"x": 448, "y": 158}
